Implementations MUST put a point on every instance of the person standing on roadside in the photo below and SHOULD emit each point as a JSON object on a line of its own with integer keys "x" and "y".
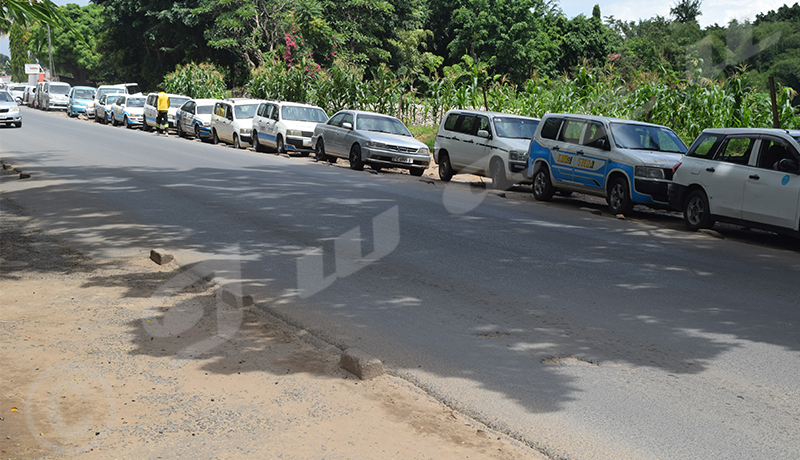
{"x": 162, "y": 106}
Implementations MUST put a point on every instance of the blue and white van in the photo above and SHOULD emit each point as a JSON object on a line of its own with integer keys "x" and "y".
{"x": 627, "y": 162}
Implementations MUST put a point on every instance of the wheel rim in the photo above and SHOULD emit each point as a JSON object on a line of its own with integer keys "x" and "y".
{"x": 319, "y": 152}
{"x": 695, "y": 211}
{"x": 539, "y": 183}
{"x": 617, "y": 195}
{"x": 279, "y": 145}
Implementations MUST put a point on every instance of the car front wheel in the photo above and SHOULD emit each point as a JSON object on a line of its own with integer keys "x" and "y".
{"x": 236, "y": 143}
{"x": 214, "y": 137}
{"x": 498, "y": 173}
{"x": 542, "y": 187}
{"x": 319, "y": 151}
{"x": 619, "y": 196}
{"x": 696, "y": 213}
{"x": 257, "y": 143}
{"x": 356, "y": 162}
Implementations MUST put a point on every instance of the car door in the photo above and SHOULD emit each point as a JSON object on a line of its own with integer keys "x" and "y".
{"x": 771, "y": 196}
{"x": 476, "y": 145}
{"x": 459, "y": 139}
{"x": 225, "y": 126}
{"x": 591, "y": 160}
{"x": 723, "y": 178}
{"x": 271, "y": 125}
{"x": 564, "y": 152}
{"x": 340, "y": 134}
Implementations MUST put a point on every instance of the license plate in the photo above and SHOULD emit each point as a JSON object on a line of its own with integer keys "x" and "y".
{"x": 306, "y": 142}
{"x": 403, "y": 160}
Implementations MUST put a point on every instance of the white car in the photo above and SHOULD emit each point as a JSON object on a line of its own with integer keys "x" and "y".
{"x": 194, "y": 118}
{"x": 232, "y": 121}
{"x": 9, "y": 110}
{"x": 102, "y": 109}
{"x": 17, "y": 90}
{"x": 56, "y": 96}
{"x": 624, "y": 161}
{"x": 128, "y": 110}
{"x": 151, "y": 110}
{"x": 370, "y": 138}
{"x": 744, "y": 176}
{"x": 488, "y": 144}
{"x": 102, "y": 90}
{"x": 286, "y": 127}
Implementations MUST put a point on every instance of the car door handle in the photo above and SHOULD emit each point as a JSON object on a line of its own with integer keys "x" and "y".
{"x": 710, "y": 169}
{"x": 754, "y": 177}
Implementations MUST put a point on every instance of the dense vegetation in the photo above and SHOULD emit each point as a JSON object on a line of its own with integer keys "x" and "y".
{"x": 417, "y": 58}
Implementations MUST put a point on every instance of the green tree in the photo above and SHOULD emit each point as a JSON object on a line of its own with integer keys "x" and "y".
{"x": 18, "y": 38}
{"x": 686, "y": 10}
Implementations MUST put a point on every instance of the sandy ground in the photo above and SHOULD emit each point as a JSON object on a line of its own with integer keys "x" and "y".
{"x": 82, "y": 374}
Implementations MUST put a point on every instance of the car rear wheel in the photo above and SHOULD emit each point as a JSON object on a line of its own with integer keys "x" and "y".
{"x": 319, "y": 151}
{"x": 126, "y": 123}
{"x": 696, "y": 213}
{"x": 445, "y": 168}
{"x": 257, "y": 143}
{"x": 356, "y": 162}
{"x": 498, "y": 173}
{"x": 542, "y": 187}
{"x": 178, "y": 130}
{"x": 197, "y": 131}
{"x": 619, "y": 196}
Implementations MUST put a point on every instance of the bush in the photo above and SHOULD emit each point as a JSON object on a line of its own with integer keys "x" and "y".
{"x": 196, "y": 80}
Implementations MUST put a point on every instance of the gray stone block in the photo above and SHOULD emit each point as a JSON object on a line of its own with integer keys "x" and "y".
{"x": 360, "y": 364}
{"x": 160, "y": 256}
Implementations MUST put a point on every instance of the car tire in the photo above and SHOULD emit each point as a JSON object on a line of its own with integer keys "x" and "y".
{"x": 279, "y": 147}
{"x": 696, "y": 212}
{"x": 126, "y": 123}
{"x": 113, "y": 120}
{"x": 214, "y": 137}
{"x": 178, "y": 130}
{"x": 236, "y": 143}
{"x": 618, "y": 196}
{"x": 417, "y": 172}
{"x": 498, "y": 174}
{"x": 356, "y": 162}
{"x": 145, "y": 126}
{"x": 257, "y": 143}
{"x": 197, "y": 132}
{"x": 319, "y": 151}
{"x": 445, "y": 168}
{"x": 543, "y": 189}
{"x": 18, "y": 124}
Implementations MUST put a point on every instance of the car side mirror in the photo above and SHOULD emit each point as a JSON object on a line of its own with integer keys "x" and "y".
{"x": 483, "y": 133}
{"x": 602, "y": 144}
{"x": 347, "y": 125}
{"x": 788, "y": 165}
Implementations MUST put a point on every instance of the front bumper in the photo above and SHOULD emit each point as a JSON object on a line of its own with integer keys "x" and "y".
{"x": 676, "y": 194}
{"x": 10, "y": 117}
{"x": 657, "y": 190}
{"x": 298, "y": 144}
{"x": 396, "y": 159}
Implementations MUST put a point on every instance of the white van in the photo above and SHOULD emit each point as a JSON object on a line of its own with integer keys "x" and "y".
{"x": 56, "y": 96}
{"x": 626, "y": 162}
{"x": 488, "y": 144}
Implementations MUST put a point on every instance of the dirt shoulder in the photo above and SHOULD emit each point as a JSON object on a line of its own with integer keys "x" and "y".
{"x": 87, "y": 374}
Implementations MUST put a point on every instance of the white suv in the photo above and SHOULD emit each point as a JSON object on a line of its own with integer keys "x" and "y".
{"x": 488, "y": 144}
{"x": 232, "y": 121}
{"x": 286, "y": 127}
{"x": 744, "y": 176}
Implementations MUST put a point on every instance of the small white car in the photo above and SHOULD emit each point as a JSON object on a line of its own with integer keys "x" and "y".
{"x": 744, "y": 176}
{"x": 232, "y": 121}
{"x": 624, "y": 161}
{"x": 102, "y": 109}
{"x": 193, "y": 118}
{"x": 488, "y": 144}
{"x": 10, "y": 113}
{"x": 127, "y": 110}
{"x": 286, "y": 127}
{"x": 370, "y": 138}
{"x": 151, "y": 109}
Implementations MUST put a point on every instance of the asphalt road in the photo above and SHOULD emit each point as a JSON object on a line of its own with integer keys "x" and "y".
{"x": 583, "y": 335}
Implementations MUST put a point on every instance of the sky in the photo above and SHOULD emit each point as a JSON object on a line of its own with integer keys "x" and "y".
{"x": 714, "y": 11}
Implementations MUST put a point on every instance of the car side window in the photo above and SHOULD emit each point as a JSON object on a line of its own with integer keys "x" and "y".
{"x": 275, "y": 112}
{"x": 735, "y": 150}
{"x": 483, "y": 124}
{"x": 450, "y": 123}
{"x": 550, "y": 128}
{"x": 229, "y": 112}
{"x": 595, "y": 133}
{"x": 772, "y": 151}
{"x": 336, "y": 120}
{"x": 348, "y": 118}
{"x": 466, "y": 124}
{"x": 705, "y": 146}
{"x": 571, "y": 131}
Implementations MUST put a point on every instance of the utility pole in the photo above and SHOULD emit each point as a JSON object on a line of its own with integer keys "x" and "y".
{"x": 50, "y": 51}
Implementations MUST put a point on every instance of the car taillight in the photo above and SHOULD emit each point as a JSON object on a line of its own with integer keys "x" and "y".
{"x": 675, "y": 168}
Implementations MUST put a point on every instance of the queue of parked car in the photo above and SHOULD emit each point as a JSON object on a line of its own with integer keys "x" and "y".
{"x": 749, "y": 177}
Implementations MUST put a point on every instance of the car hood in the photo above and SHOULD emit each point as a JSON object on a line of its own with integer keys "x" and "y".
{"x": 392, "y": 139}
{"x": 7, "y": 105}
{"x": 513, "y": 143}
{"x": 656, "y": 159}
{"x": 301, "y": 125}
{"x": 135, "y": 110}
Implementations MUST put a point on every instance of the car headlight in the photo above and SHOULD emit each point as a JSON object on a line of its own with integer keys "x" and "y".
{"x": 13, "y": 110}
{"x": 245, "y": 131}
{"x": 518, "y": 155}
{"x": 294, "y": 132}
{"x": 375, "y": 145}
{"x": 424, "y": 151}
{"x": 650, "y": 173}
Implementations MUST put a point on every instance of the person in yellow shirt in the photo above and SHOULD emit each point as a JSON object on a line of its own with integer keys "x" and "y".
{"x": 162, "y": 106}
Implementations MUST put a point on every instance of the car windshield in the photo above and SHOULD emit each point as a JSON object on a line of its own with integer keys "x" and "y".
{"x": 381, "y": 124}
{"x": 83, "y": 94}
{"x": 205, "y": 109}
{"x": 245, "y": 111}
{"x": 59, "y": 89}
{"x": 5, "y": 96}
{"x": 135, "y": 102}
{"x": 515, "y": 128}
{"x": 641, "y": 137}
{"x": 313, "y": 114}
{"x": 176, "y": 102}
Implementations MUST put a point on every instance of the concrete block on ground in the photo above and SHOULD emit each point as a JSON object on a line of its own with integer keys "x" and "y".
{"x": 360, "y": 364}
{"x": 235, "y": 300}
{"x": 161, "y": 257}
